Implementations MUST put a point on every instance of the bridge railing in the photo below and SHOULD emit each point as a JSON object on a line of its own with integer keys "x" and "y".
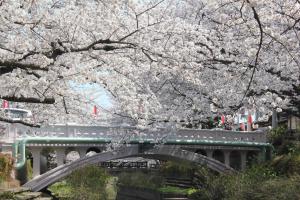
{"x": 118, "y": 133}
{"x": 222, "y": 135}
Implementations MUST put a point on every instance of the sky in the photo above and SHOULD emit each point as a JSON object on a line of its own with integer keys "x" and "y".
{"x": 95, "y": 92}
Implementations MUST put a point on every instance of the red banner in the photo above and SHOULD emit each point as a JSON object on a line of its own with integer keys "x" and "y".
{"x": 95, "y": 110}
{"x": 223, "y": 119}
{"x": 250, "y": 121}
{"x": 5, "y": 104}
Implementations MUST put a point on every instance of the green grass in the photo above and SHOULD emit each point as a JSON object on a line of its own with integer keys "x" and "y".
{"x": 176, "y": 190}
{"x": 61, "y": 189}
{"x": 111, "y": 188}
{"x": 6, "y": 195}
{"x": 29, "y": 170}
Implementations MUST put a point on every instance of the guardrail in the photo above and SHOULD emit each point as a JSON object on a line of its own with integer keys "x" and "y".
{"x": 119, "y": 133}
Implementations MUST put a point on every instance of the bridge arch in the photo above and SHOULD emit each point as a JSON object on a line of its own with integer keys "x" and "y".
{"x": 164, "y": 152}
{"x": 93, "y": 149}
{"x": 201, "y": 151}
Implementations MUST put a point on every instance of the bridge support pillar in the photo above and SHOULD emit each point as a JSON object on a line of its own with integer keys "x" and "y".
{"x": 227, "y": 158}
{"x": 262, "y": 155}
{"x": 36, "y": 155}
{"x": 82, "y": 152}
{"x": 243, "y": 160}
{"x": 60, "y": 156}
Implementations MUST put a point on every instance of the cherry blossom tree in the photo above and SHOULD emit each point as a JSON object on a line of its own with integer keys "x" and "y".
{"x": 161, "y": 61}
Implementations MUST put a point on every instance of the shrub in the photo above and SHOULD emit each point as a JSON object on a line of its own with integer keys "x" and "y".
{"x": 276, "y": 136}
{"x": 6, "y": 195}
{"x": 6, "y": 166}
{"x": 287, "y": 164}
{"x": 87, "y": 183}
{"x": 233, "y": 186}
{"x": 275, "y": 189}
{"x": 210, "y": 185}
{"x": 288, "y": 147}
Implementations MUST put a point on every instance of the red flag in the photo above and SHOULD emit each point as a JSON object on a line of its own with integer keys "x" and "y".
{"x": 5, "y": 104}
{"x": 242, "y": 126}
{"x": 250, "y": 119}
{"x": 95, "y": 110}
{"x": 223, "y": 119}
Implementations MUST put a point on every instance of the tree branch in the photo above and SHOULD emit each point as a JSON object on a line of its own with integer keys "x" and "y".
{"x": 9, "y": 66}
{"x": 256, "y": 17}
{"x": 28, "y": 99}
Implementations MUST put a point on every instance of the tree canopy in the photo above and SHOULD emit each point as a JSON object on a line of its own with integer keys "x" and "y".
{"x": 161, "y": 61}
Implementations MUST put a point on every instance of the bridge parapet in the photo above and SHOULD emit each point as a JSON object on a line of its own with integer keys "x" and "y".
{"x": 119, "y": 133}
{"x": 221, "y": 135}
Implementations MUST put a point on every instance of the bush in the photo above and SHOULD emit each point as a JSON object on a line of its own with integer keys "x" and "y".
{"x": 233, "y": 186}
{"x": 275, "y": 189}
{"x": 276, "y": 136}
{"x": 257, "y": 183}
{"x": 6, "y": 167}
{"x": 88, "y": 183}
{"x": 210, "y": 185}
{"x": 288, "y": 165}
{"x": 6, "y": 195}
{"x": 288, "y": 147}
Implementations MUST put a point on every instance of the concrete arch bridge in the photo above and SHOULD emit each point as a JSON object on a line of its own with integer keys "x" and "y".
{"x": 163, "y": 152}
